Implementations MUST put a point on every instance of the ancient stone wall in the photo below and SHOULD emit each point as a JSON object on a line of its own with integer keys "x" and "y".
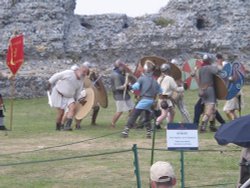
{"x": 55, "y": 38}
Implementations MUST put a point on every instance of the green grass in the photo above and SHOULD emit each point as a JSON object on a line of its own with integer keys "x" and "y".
{"x": 34, "y": 128}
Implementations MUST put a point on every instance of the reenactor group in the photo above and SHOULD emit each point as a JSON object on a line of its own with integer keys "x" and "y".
{"x": 158, "y": 88}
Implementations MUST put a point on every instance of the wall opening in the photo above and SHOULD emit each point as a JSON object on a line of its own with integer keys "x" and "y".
{"x": 200, "y": 23}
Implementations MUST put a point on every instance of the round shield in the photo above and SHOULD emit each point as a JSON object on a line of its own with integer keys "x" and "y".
{"x": 189, "y": 68}
{"x": 87, "y": 82}
{"x": 83, "y": 110}
{"x": 233, "y": 74}
{"x": 101, "y": 93}
{"x": 220, "y": 88}
{"x": 175, "y": 71}
{"x": 99, "y": 89}
{"x": 158, "y": 61}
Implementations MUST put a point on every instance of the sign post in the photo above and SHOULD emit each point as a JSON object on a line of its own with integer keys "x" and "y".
{"x": 14, "y": 60}
{"x": 182, "y": 137}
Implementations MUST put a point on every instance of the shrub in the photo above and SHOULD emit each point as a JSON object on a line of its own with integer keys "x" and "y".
{"x": 163, "y": 22}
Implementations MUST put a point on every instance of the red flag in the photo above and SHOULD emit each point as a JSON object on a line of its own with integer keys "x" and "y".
{"x": 15, "y": 56}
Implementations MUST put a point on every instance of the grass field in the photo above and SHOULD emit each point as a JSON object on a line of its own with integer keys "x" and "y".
{"x": 34, "y": 129}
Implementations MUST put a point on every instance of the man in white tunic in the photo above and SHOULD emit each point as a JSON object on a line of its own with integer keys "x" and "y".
{"x": 66, "y": 90}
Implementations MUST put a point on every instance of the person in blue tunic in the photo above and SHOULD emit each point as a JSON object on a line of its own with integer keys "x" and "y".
{"x": 149, "y": 89}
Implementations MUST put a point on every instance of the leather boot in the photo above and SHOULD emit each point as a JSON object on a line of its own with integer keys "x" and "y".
{"x": 67, "y": 126}
{"x": 58, "y": 126}
{"x": 203, "y": 127}
{"x": 94, "y": 115}
{"x": 78, "y": 126}
{"x": 212, "y": 126}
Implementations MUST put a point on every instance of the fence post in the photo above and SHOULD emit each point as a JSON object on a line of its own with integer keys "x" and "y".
{"x": 136, "y": 165}
{"x": 182, "y": 170}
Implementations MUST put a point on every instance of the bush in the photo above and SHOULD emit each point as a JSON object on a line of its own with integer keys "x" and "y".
{"x": 163, "y": 22}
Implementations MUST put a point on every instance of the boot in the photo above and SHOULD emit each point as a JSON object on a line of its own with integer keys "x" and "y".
{"x": 149, "y": 133}
{"x": 125, "y": 132}
{"x": 1, "y": 112}
{"x": 58, "y": 126}
{"x": 203, "y": 127}
{"x": 78, "y": 126}
{"x": 157, "y": 125}
{"x": 67, "y": 126}
{"x": 94, "y": 115}
{"x": 212, "y": 126}
{"x": 2, "y": 127}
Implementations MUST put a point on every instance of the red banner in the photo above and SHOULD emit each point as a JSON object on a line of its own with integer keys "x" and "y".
{"x": 15, "y": 55}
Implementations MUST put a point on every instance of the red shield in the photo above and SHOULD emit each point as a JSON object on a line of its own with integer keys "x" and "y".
{"x": 15, "y": 56}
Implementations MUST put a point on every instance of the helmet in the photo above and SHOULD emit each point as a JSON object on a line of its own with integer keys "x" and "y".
{"x": 174, "y": 61}
{"x": 87, "y": 64}
{"x": 74, "y": 67}
{"x": 206, "y": 58}
{"x": 118, "y": 63}
{"x": 165, "y": 67}
{"x": 149, "y": 66}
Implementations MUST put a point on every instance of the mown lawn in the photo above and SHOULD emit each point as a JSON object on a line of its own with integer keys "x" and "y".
{"x": 34, "y": 129}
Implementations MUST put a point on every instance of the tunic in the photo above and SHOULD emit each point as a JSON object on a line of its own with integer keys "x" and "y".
{"x": 206, "y": 84}
{"x": 67, "y": 88}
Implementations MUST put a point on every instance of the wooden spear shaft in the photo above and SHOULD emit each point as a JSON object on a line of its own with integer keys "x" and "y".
{"x": 125, "y": 89}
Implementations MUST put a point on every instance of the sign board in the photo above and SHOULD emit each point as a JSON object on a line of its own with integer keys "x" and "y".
{"x": 182, "y": 136}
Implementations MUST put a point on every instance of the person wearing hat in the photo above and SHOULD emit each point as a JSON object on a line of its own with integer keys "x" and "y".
{"x": 162, "y": 175}
{"x": 166, "y": 102}
{"x": 149, "y": 89}
{"x": 121, "y": 95}
{"x": 207, "y": 92}
{"x": 65, "y": 88}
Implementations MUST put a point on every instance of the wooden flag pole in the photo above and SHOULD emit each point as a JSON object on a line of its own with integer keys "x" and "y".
{"x": 14, "y": 60}
{"x": 12, "y": 101}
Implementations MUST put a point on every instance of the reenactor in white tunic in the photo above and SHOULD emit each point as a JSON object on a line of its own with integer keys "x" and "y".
{"x": 66, "y": 90}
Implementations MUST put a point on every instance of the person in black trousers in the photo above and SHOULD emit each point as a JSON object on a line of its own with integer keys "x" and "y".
{"x": 198, "y": 110}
